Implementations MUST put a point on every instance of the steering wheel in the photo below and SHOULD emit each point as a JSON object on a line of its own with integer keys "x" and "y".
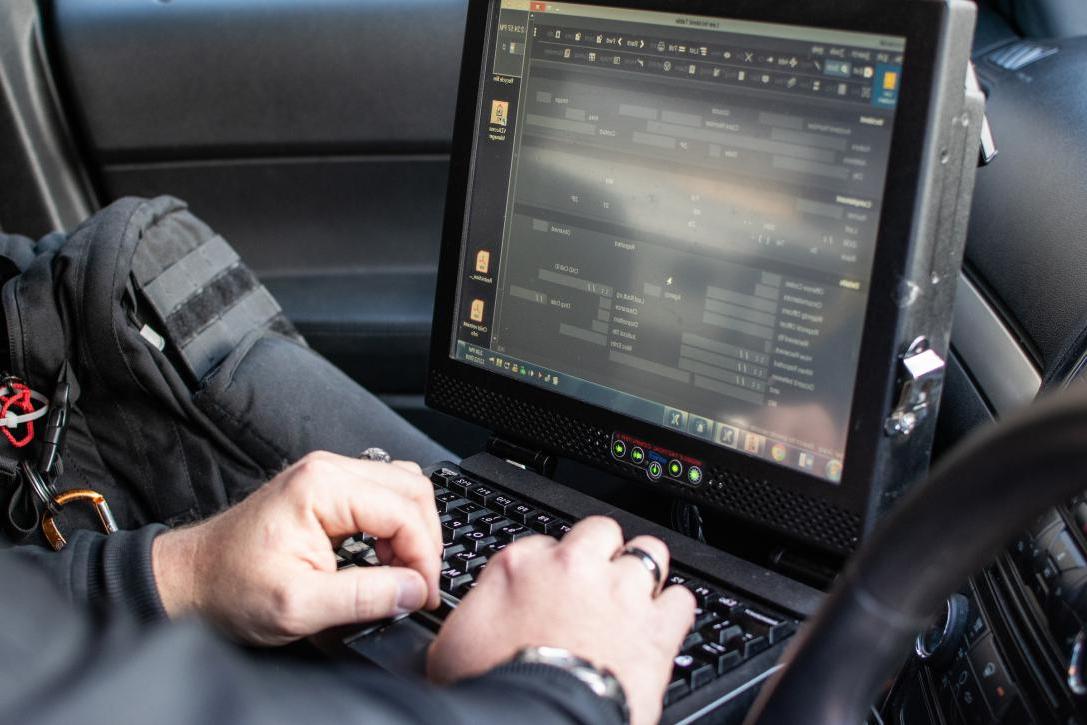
{"x": 990, "y": 488}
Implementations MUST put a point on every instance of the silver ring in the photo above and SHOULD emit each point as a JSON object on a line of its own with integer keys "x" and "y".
{"x": 376, "y": 454}
{"x": 650, "y": 563}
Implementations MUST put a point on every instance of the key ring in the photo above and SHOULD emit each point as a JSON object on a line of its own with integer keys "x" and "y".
{"x": 101, "y": 507}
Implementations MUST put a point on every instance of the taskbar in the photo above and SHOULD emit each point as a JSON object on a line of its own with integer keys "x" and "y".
{"x": 724, "y": 435}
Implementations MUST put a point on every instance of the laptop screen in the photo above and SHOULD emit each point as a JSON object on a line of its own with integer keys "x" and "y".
{"x": 674, "y": 217}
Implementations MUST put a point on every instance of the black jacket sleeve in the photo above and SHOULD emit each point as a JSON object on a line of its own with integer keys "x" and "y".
{"x": 60, "y": 663}
{"x": 103, "y": 571}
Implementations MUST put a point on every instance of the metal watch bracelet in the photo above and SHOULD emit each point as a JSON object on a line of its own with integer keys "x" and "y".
{"x": 600, "y": 681}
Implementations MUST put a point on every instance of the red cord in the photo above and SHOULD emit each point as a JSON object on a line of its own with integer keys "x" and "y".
{"x": 20, "y": 398}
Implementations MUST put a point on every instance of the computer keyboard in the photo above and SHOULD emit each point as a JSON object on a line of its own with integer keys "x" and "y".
{"x": 478, "y": 520}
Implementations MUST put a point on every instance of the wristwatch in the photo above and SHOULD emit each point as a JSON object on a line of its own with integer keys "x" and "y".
{"x": 600, "y": 681}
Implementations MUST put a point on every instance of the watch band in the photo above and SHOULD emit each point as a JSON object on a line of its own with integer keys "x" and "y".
{"x": 601, "y": 681}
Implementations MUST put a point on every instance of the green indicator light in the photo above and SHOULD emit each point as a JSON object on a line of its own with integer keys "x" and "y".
{"x": 675, "y": 468}
{"x": 637, "y": 455}
{"x": 620, "y": 449}
{"x": 654, "y": 469}
{"x": 694, "y": 474}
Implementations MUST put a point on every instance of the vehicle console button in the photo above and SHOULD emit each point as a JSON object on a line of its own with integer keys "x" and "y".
{"x": 991, "y": 675}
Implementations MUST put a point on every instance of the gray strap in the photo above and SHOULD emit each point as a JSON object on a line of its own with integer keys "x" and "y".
{"x": 189, "y": 274}
{"x": 215, "y": 341}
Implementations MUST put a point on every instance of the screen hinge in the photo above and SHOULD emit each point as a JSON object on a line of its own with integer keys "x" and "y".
{"x": 524, "y": 457}
{"x": 923, "y": 375}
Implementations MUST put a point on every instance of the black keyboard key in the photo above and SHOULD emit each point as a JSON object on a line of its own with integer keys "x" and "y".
{"x": 702, "y": 593}
{"x": 461, "y": 485}
{"x": 452, "y": 578}
{"x": 722, "y": 632}
{"x": 454, "y": 529}
{"x": 693, "y": 670}
{"x": 677, "y": 690}
{"x": 466, "y": 561}
{"x": 494, "y": 548}
{"x": 750, "y": 644}
{"x": 703, "y": 618}
{"x": 521, "y": 512}
{"x": 447, "y": 502}
{"x": 442, "y": 475}
{"x": 720, "y": 657}
{"x": 675, "y": 579}
{"x": 481, "y": 494}
{"x": 439, "y": 489}
{"x": 491, "y": 523}
{"x": 451, "y": 547}
{"x": 693, "y": 639}
{"x": 500, "y": 503}
{"x": 462, "y": 591}
{"x": 560, "y": 528}
{"x": 541, "y": 522}
{"x": 513, "y": 532}
{"x": 469, "y": 511}
{"x": 727, "y": 607}
{"x": 774, "y": 629}
{"x": 477, "y": 541}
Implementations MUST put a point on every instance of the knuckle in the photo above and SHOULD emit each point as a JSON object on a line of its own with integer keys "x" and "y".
{"x": 372, "y": 601}
{"x": 313, "y": 465}
{"x": 298, "y": 486}
{"x": 507, "y": 561}
{"x": 568, "y": 558}
{"x": 600, "y": 522}
{"x": 421, "y": 487}
{"x": 654, "y": 547}
{"x": 287, "y": 611}
{"x": 411, "y": 466}
{"x": 681, "y": 601}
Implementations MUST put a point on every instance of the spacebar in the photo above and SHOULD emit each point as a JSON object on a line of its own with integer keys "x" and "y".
{"x": 433, "y": 619}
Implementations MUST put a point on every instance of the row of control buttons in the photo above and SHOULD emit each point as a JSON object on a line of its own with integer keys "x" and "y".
{"x": 656, "y": 465}
{"x": 975, "y": 688}
{"x": 1054, "y": 570}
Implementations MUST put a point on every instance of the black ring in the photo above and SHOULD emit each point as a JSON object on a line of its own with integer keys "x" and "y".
{"x": 650, "y": 564}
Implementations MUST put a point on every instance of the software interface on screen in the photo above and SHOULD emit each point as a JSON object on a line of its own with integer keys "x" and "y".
{"x": 674, "y": 217}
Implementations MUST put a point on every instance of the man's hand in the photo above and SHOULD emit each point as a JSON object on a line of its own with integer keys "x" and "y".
{"x": 266, "y": 570}
{"x": 576, "y": 595}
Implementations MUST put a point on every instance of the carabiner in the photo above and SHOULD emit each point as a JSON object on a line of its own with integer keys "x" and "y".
{"x": 101, "y": 507}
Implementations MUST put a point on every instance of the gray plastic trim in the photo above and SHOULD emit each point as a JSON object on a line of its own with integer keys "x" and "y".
{"x": 992, "y": 354}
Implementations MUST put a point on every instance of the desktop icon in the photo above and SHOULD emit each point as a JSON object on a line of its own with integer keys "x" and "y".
{"x": 728, "y": 436}
{"x": 753, "y": 443}
{"x": 500, "y": 112}
{"x": 675, "y": 419}
{"x": 778, "y": 452}
{"x": 475, "y": 314}
{"x": 805, "y": 460}
{"x": 700, "y": 427}
{"x": 834, "y": 470}
{"x": 483, "y": 261}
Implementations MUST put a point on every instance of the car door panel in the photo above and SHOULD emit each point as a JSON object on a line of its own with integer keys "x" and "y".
{"x": 314, "y": 135}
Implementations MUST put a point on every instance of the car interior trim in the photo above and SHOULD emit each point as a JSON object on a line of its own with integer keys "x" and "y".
{"x": 991, "y": 353}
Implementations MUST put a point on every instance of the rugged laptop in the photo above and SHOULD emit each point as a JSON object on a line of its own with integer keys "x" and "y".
{"x": 710, "y": 248}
